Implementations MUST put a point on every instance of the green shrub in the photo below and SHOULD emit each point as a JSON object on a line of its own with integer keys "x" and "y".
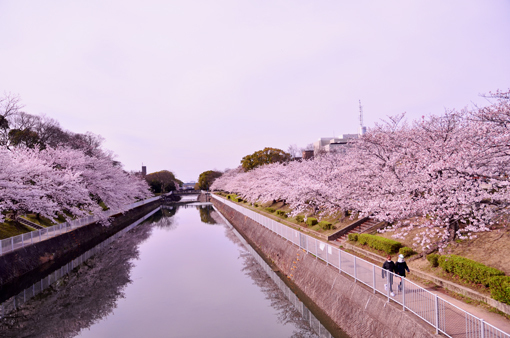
{"x": 406, "y": 251}
{"x": 234, "y": 198}
{"x": 300, "y": 218}
{"x": 380, "y": 243}
{"x": 256, "y": 205}
{"x": 433, "y": 260}
{"x": 269, "y": 209}
{"x": 311, "y": 221}
{"x": 353, "y": 237}
{"x": 500, "y": 288}
{"x": 468, "y": 270}
{"x": 281, "y": 213}
{"x": 325, "y": 225}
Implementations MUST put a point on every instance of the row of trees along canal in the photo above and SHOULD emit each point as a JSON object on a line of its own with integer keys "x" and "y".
{"x": 447, "y": 174}
{"x": 52, "y": 174}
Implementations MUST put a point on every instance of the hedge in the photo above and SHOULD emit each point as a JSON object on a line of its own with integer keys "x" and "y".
{"x": 311, "y": 221}
{"x": 468, "y": 270}
{"x": 270, "y": 209}
{"x": 234, "y": 198}
{"x": 281, "y": 213}
{"x": 433, "y": 260}
{"x": 300, "y": 218}
{"x": 325, "y": 225}
{"x": 380, "y": 243}
{"x": 500, "y": 288}
{"x": 406, "y": 251}
{"x": 353, "y": 237}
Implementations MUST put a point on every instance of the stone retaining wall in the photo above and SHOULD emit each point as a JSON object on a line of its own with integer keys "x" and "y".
{"x": 34, "y": 260}
{"x": 353, "y": 307}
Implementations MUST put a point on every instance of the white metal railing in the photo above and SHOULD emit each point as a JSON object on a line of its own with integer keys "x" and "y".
{"x": 16, "y": 301}
{"x": 441, "y": 314}
{"x": 306, "y": 314}
{"x": 29, "y": 238}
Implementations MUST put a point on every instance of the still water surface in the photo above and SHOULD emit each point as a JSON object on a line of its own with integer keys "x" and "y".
{"x": 181, "y": 273}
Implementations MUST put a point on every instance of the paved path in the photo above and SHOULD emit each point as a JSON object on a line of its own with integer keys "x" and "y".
{"x": 492, "y": 318}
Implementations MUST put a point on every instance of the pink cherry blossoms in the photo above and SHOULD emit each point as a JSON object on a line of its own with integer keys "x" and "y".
{"x": 447, "y": 174}
{"x": 49, "y": 171}
{"x": 52, "y": 181}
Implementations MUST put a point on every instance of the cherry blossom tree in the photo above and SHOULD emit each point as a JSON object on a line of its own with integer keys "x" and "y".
{"x": 51, "y": 181}
{"x": 446, "y": 173}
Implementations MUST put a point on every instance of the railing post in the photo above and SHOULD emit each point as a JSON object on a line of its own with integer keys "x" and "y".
{"x": 1, "y": 248}
{"x": 373, "y": 276}
{"x": 437, "y": 314}
{"x": 403, "y": 293}
{"x": 327, "y": 259}
{"x": 339, "y": 260}
{"x": 12, "y": 243}
{"x": 316, "y": 253}
{"x": 388, "y": 284}
{"x": 482, "y": 328}
{"x": 355, "y": 269}
{"x": 22, "y": 241}
{"x": 31, "y": 237}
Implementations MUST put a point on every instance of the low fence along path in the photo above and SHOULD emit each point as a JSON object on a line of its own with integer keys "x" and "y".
{"x": 29, "y": 238}
{"x": 443, "y": 316}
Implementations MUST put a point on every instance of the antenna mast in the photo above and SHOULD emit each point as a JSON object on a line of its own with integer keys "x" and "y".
{"x": 362, "y": 129}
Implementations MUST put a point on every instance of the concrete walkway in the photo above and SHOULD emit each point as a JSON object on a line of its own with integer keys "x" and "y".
{"x": 495, "y": 319}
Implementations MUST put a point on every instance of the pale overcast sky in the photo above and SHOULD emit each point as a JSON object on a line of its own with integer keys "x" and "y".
{"x": 190, "y": 86}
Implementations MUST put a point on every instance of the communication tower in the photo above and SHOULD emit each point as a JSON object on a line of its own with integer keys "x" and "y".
{"x": 362, "y": 128}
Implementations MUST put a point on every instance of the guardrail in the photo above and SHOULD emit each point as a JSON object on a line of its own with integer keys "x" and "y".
{"x": 21, "y": 298}
{"x": 29, "y": 238}
{"x": 439, "y": 313}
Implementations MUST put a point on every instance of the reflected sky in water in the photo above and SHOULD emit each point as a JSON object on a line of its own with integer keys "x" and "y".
{"x": 180, "y": 274}
{"x": 189, "y": 282}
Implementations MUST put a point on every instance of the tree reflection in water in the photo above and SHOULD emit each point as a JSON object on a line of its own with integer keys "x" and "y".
{"x": 81, "y": 298}
{"x": 206, "y": 212}
{"x": 286, "y": 312}
{"x": 91, "y": 291}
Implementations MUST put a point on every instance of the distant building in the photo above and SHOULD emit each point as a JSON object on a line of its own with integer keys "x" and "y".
{"x": 188, "y": 186}
{"x": 328, "y": 144}
{"x": 144, "y": 170}
{"x": 307, "y": 154}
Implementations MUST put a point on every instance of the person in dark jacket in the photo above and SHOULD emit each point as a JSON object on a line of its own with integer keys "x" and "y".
{"x": 388, "y": 266}
{"x": 400, "y": 269}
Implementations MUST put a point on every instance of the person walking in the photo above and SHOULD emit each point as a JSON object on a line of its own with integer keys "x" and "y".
{"x": 388, "y": 266}
{"x": 400, "y": 269}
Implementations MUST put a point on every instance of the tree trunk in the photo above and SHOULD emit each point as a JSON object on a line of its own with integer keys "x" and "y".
{"x": 453, "y": 227}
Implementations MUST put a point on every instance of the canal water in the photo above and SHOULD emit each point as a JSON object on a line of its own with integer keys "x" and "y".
{"x": 182, "y": 272}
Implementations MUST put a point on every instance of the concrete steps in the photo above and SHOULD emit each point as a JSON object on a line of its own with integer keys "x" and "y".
{"x": 365, "y": 226}
{"x": 29, "y": 223}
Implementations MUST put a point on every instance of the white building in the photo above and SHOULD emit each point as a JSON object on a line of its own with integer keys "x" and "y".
{"x": 328, "y": 144}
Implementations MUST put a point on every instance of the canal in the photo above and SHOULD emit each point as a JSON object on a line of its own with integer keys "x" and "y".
{"x": 181, "y": 272}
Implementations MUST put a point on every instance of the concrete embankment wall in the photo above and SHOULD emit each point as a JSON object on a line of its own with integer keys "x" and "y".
{"x": 42, "y": 256}
{"x": 354, "y": 308}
